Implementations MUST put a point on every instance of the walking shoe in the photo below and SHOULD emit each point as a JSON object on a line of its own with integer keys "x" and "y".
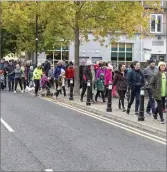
{"x": 162, "y": 121}
{"x": 22, "y": 91}
{"x": 124, "y": 110}
{"x": 155, "y": 116}
{"x": 14, "y": 91}
{"x": 128, "y": 111}
{"x": 119, "y": 106}
{"x": 136, "y": 114}
{"x": 148, "y": 113}
{"x": 81, "y": 100}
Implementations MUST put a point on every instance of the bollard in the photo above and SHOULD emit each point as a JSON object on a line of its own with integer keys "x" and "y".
{"x": 109, "y": 102}
{"x": 71, "y": 90}
{"x": 141, "y": 111}
{"x": 88, "y": 103}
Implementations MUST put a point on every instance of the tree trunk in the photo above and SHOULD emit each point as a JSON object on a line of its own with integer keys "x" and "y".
{"x": 77, "y": 42}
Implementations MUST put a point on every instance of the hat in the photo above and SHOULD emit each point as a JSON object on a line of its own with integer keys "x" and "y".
{"x": 102, "y": 74}
{"x": 151, "y": 61}
{"x": 89, "y": 62}
{"x": 161, "y": 63}
{"x": 39, "y": 64}
{"x": 62, "y": 71}
{"x": 110, "y": 67}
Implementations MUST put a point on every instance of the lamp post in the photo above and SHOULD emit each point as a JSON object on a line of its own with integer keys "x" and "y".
{"x": 36, "y": 26}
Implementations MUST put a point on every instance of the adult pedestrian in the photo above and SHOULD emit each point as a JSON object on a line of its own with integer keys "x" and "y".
{"x": 18, "y": 77}
{"x": 37, "y": 74}
{"x": 23, "y": 67}
{"x": 10, "y": 73}
{"x": 148, "y": 72}
{"x": 51, "y": 76}
{"x": 135, "y": 81}
{"x": 120, "y": 81}
{"x": 70, "y": 72}
{"x": 158, "y": 84}
{"x": 81, "y": 69}
{"x": 87, "y": 75}
{"x": 57, "y": 72}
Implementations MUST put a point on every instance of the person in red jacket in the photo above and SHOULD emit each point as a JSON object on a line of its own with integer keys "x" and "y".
{"x": 70, "y": 72}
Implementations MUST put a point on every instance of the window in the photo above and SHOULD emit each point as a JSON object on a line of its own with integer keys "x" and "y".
{"x": 121, "y": 52}
{"x": 161, "y": 3}
{"x": 156, "y": 23}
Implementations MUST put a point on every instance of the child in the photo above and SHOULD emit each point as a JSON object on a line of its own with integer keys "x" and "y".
{"x": 61, "y": 83}
{"x": 100, "y": 87}
{"x": 44, "y": 81}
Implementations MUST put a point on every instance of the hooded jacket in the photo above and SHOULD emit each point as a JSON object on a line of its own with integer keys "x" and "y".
{"x": 120, "y": 80}
{"x": 108, "y": 77}
{"x": 100, "y": 71}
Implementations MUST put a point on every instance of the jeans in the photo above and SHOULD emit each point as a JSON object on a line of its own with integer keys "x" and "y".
{"x": 18, "y": 80}
{"x": 151, "y": 102}
{"x": 11, "y": 84}
{"x": 135, "y": 93}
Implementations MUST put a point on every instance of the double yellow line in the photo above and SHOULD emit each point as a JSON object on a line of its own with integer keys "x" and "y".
{"x": 111, "y": 122}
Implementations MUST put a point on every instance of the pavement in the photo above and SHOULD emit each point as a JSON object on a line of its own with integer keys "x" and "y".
{"x": 99, "y": 108}
{"x": 47, "y": 135}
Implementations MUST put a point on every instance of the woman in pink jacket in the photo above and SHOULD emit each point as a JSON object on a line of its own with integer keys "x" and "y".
{"x": 108, "y": 78}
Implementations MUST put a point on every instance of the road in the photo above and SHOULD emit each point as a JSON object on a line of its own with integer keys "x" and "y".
{"x": 50, "y": 136}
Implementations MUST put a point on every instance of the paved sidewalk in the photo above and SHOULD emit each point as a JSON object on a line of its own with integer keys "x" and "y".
{"x": 99, "y": 108}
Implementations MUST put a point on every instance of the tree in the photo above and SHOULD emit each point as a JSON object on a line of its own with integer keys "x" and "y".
{"x": 80, "y": 17}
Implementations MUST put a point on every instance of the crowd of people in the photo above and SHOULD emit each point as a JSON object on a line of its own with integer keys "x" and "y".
{"x": 126, "y": 82}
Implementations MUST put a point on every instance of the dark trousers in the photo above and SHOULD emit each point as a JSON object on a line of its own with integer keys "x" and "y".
{"x": 68, "y": 81}
{"x": 37, "y": 85}
{"x": 11, "y": 84}
{"x": 52, "y": 82}
{"x": 59, "y": 91}
{"x": 84, "y": 88}
{"x": 24, "y": 82}
{"x": 56, "y": 81}
{"x": 2, "y": 86}
{"x": 102, "y": 95}
{"x": 18, "y": 80}
{"x": 151, "y": 102}
{"x": 159, "y": 108}
{"x": 121, "y": 97}
{"x": 163, "y": 102}
{"x": 135, "y": 93}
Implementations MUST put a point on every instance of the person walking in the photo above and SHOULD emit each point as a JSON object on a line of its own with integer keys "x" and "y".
{"x": 57, "y": 72}
{"x": 135, "y": 81}
{"x": 148, "y": 72}
{"x": 100, "y": 87}
{"x": 37, "y": 74}
{"x": 10, "y": 74}
{"x": 51, "y": 76}
{"x": 18, "y": 78}
{"x": 81, "y": 69}
{"x": 87, "y": 75}
{"x": 158, "y": 85}
{"x": 70, "y": 72}
{"x": 108, "y": 78}
{"x": 23, "y": 75}
{"x": 120, "y": 81}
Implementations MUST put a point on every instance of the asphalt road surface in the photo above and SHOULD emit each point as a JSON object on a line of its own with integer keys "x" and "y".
{"x": 49, "y": 136}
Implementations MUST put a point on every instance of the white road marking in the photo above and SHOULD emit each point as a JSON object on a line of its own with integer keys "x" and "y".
{"x": 6, "y": 125}
{"x": 112, "y": 122}
{"x": 48, "y": 170}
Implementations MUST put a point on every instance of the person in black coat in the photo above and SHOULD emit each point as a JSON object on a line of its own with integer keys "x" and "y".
{"x": 81, "y": 69}
{"x": 135, "y": 81}
{"x": 87, "y": 75}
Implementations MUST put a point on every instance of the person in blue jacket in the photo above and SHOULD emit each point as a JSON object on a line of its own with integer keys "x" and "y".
{"x": 135, "y": 80}
{"x": 57, "y": 72}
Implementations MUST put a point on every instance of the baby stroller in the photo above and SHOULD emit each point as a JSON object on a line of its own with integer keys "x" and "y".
{"x": 2, "y": 80}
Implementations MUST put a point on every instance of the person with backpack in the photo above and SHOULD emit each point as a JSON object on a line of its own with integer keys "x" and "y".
{"x": 135, "y": 80}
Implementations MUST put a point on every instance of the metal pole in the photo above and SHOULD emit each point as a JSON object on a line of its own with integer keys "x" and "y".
{"x": 71, "y": 89}
{"x": 109, "y": 102}
{"x": 141, "y": 112}
{"x": 88, "y": 103}
{"x": 53, "y": 57}
{"x": 36, "y": 39}
{"x": 61, "y": 52}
